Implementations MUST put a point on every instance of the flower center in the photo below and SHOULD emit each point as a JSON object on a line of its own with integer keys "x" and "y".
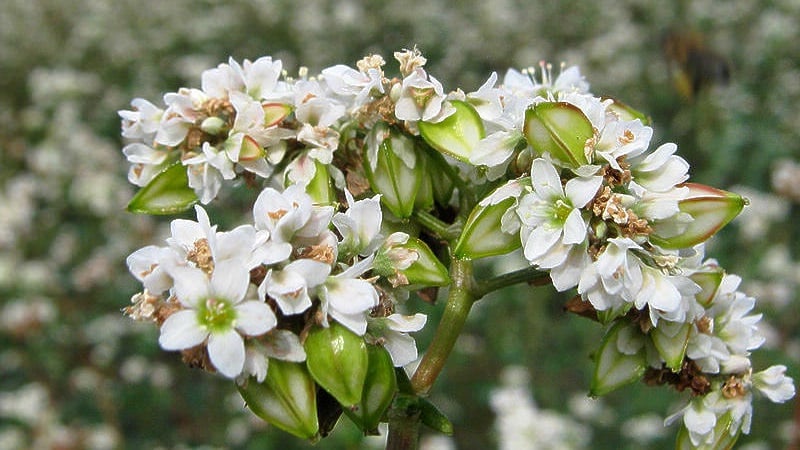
{"x": 216, "y": 314}
{"x": 561, "y": 210}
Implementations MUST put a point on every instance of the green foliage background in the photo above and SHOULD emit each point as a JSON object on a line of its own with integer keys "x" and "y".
{"x": 76, "y": 374}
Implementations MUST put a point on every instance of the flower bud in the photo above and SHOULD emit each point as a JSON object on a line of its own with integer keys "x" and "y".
{"x": 560, "y": 129}
{"x": 391, "y": 167}
{"x": 274, "y": 113}
{"x": 491, "y": 228}
{"x": 286, "y": 399}
{"x": 251, "y": 150}
{"x": 709, "y": 280}
{"x": 407, "y": 261}
{"x": 619, "y": 360}
{"x": 212, "y": 125}
{"x": 458, "y": 134}
{"x": 167, "y": 193}
{"x": 710, "y": 208}
{"x": 380, "y": 386}
{"x": 723, "y": 436}
{"x": 671, "y": 340}
{"x": 320, "y": 187}
{"x": 337, "y": 359}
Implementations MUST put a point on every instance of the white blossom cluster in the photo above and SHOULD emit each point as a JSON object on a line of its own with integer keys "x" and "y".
{"x": 602, "y": 215}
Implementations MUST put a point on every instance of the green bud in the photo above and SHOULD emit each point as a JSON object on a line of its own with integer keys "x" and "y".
{"x": 711, "y": 210}
{"x": 484, "y": 233}
{"x": 167, "y": 193}
{"x": 561, "y": 129}
{"x": 286, "y": 399}
{"x": 613, "y": 367}
{"x": 458, "y": 134}
{"x": 337, "y": 359}
{"x": 212, "y": 125}
{"x": 392, "y": 169}
{"x": 625, "y": 112}
{"x": 274, "y": 113}
{"x": 671, "y": 340}
{"x": 320, "y": 187}
{"x": 427, "y": 270}
{"x": 251, "y": 150}
{"x": 709, "y": 281}
{"x": 380, "y": 386}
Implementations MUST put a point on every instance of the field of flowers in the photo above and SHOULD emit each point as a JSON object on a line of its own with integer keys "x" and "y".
{"x": 720, "y": 79}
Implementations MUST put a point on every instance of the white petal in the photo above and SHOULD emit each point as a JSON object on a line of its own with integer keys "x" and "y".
{"x": 254, "y": 318}
{"x": 403, "y": 323}
{"x": 230, "y": 280}
{"x": 401, "y": 347}
{"x": 226, "y": 351}
{"x": 312, "y": 271}
{"x": 350, "y": 295}
{"x": 181, "y": 331}
{"x": 357, "y": 323}
{"x": 191, "y": 284}
{"x": 546, "y": 181}
{"x": 574, "y": 228}
{"x": 285, "y": 345}
{"x": 581, "y": 191}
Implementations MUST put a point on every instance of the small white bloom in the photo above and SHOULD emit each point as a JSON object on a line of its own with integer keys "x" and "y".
{"x": 393, "y": 333}
{"x": 774, "y": 384}
{"x": 422, "y": 99}
{"x": 290, "y": 285}
{"x": 551, "y": 217}
{"x": 348, "y": 299}
{"x": 359, "y": 226}
{"x": 216, "y": 314}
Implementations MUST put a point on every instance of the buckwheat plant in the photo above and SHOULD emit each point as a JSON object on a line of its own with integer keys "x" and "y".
{"x": 368, "y": 187}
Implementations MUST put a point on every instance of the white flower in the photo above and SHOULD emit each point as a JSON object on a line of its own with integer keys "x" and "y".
{"x": 347, "y": 299}
{"x": 774, "y": 384}
{"x": 393, "y": 334}
{"x": 285, "y": 216}
{"x": 278, "y": 344}
{"x": 422, "y": 99}
{"x": 551, "y": 217}
{"x": 486, "y": 99}
{"x": 216, "y": 314}
{"x": 659, "y": 171}
{"x": 622, "y": 139}
{"x": 146, "y": 162}
{"x": 206, "y": 172}
{"x": 349, "y": 82}
{"x": 359, "y": 226}
{"x": 142, "y": 122}
{"x": 614, "y": 277}
{"x": 147, "y": 265}
{"x": 290, "y": 285}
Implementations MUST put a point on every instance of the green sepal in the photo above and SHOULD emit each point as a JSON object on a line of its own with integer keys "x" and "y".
{"x": 380, "y": 386}
{"x": 561, "y": 129}
{"x": 614, "y": 369}
{"x": 458, "y": 134}
{"x": 286, "y": 399}
{"x": 337, "y": 360}
{"x": 167, "y": 193}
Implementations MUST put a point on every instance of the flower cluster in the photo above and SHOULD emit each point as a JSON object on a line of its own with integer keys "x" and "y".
{"x": 365, "y": 181}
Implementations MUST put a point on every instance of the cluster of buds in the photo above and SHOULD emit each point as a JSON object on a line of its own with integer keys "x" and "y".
{"x": 367, "y": 181}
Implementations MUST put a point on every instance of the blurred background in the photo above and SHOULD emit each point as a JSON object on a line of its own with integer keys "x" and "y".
{"x": 719, "y": 78}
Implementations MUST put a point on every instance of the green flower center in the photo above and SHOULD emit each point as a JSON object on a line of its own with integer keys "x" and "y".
{"x": 561, "y": 210}
{"x": 217, "y": 314}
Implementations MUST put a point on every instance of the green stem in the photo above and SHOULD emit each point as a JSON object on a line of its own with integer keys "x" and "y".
{"x": 433, "y": 224}
{"x": 404, "y": 423}
{"x": 526, "y": 275}
{"x": 456, "y": 310}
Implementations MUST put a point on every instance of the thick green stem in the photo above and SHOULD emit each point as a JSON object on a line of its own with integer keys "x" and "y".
{"x": 404, "y": 423}
{"x": 459, "y": 302}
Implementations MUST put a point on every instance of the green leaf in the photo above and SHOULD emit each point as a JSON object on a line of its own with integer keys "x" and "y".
{"x": 431, "y": 417}
{"x": 458, "y": 134}
{"x": 337, "y": 359}
{"x": 559, "y": 128}
{"x": 167, "y": 193}
{"x": 613, "y": 368}
{"x": 286, "y": 399}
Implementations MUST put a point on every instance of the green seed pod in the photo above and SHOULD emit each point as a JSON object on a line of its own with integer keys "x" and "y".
{"x": 380, "y": 387}
{"x": 337, "y": 359}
